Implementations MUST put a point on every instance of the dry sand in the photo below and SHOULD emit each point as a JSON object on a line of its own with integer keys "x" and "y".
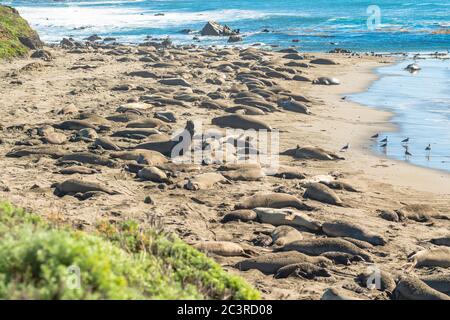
{"x": 30, "y": 99}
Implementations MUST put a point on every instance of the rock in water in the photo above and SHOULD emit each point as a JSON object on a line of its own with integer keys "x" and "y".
{"x": 213, "y": 28}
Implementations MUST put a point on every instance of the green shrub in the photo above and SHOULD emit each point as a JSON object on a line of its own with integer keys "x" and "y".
{"x": 119, "y": 262}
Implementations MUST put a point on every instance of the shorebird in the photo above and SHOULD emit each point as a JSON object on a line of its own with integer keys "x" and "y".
{"x": 405, "y": 140}
{"x": 345, "y": 148}
{"x": 385, "y": 140}
{"x": 428, "y": 148}
{"x": 407, "y": 153}
{"x": 384, "y": 145}
{"x": 375, "y": 136}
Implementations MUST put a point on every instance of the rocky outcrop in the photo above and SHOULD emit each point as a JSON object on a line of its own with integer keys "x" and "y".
{"x": 213, "y": 28}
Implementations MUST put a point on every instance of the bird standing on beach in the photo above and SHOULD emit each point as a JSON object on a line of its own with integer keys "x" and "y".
{"x": 345, "y": 148}
{"x": 375, "y": 136}
{"x": 385, "y": 140}
{"x": 428, "y": 148}
{"x": 405, "y": 140}
{"x": 407, "y": 153}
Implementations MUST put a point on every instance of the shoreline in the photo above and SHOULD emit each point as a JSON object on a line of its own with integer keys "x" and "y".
{"x": 87, "y": 80}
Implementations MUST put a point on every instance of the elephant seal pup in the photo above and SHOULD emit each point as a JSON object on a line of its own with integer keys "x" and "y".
{"x": 351, "y": 230}
{"x": 367, "y": 279}
{"x": 78, "y": 170}
{"x": 439, "y": 282}
{"x": 142, "y": 156}
{"x": 285, "y": 172}
{"x": 74, "y": 186}
{"x": 311, "y": 153}
{"x": 433, "y": 257}
{"x": 342, "y": 258}
{"x": 316, "y": 247}
{"x": 286, "y": 217}
{"x": 442, "y": 241}
{"x": 338, "y": 294}
{"x": 75, "y": 125}
{"x": 272, "y": 200}
{"x": 248, "y": 110}
{"x": 105, "y": 144}
{"x": 244, "y": 215}
{"x": 153, "y": 174}
{"x": 86, "y": 157}
{"x": 240, "y": 121}
{"x": 221, "y": 248}
{"x": 339, "y": 185}
{"x": 327, "y": 81}
{"x": 285, "y": 234}
{"x": 292, "y": 105}
{"x": 410, "y": 287}
{"x": 244, "y": 175}
{"x": 320, "y": 192}
{"x": 271, "y": 262}
{"x": 417, "y": 212}
{"x": 305, "y": 270}
{"x": 205, "y": 181}
{"x": 52, "y": 152}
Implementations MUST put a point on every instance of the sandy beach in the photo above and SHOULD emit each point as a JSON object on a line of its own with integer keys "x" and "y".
{"x": 90, "y": 84}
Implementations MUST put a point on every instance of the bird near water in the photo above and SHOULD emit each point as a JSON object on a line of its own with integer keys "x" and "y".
{"x": 428, "y": 148}
{"x": 385, "y": 140}
{"x": 375, "y": 136}
{"x": 405, "y": 140}
{"x": 345, "y": 148}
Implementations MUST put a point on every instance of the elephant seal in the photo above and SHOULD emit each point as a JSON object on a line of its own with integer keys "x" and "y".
{"x": 248, "y": 110}
{"x": 240, "y": 121}
{"x": 106, "y": 144}
{"x": 439, "y": 282}
{"x": 204, "y": 181}
{"x": 142, "y": 156}
{"x": 351, "y": 230}
{"x": 323, "y": 61}
{"x": 284, "y": 234}
{"x": 286, "y": 217}
{"x": 304, "y": 270}
{"x": 86, "y": 157}
{"x": 50, "y": 151}
{"x": 221, "y": 248}
{"x": 244, "y": 215}
{"x": 184, "y": 140}
{"x": 318, "y": 246}
{"x": 153, "y": 174}
{"x": 285, "y": 172}
{"x": 326, "y": 81}
{"x": 73, "y": 186}
{"x": 338, "y": 294}
{"x": 320, "y": 192}
{"x": 311, "y": 153}
{"x": 410, "y": 287}
{"x": 75, "y": 125}
{"x": 244, "y": 175}
{"x": 339, "y": 185}
{"x": 384, "y": 282}
{"x": 441, "y": 241}
{"x": 342, "y": 258}
{"x": 272, "y": 200}
{"x": 78, "y": 170}
{"x": 413, "y": 67}
{"x": 292, "y": 105}
{"x": 133, "y": 133}
{"x": 271, "y": 262}
{"x": 433, "y": 257}
{"x": 175, "y": 82}
{"x": 148, "y": 123}
{"x": 417, "y": 212}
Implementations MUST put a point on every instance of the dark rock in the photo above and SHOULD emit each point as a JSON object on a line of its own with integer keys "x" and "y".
{"x": 215, "y": 29}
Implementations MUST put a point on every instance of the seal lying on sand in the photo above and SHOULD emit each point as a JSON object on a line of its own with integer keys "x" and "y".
{"x": 73, "y": 186}
{"x": 272, "y": 200}
{"x": 183, "y": 141}
{"x": 271, "y": 262}
{"x": 320, "y": 192}
{"x": 345, "y": 259}
{"x": 204, "y": 181}
{"x": 153, "y": 174}
{"x": 52, "y": 152}
{"x": 286, "y": 217}
{"x": 285, "y": 234}
{"x": 240, "y": 121}
{"x": 412, "y": 288}
{"x": 292, "y": 105}
{"x": 316, "y": 247}
{"x": 86, "y": 157}
{"x": 417, "y": 212}
{"x": 338, "y": 294}
{"x": 240, "y": 215}
{"x": 439, "y": 282}
{"x": 313, "y": 153}
{"x": 326, "y": 81}
{"x": 349, "y": 229}
{"x": 305, "y": 270}
{"x": 221, "y": 248}
{"x": 384, "y": 282}
{"x": 442, "y": 241}
{"x": 433, "y": 257}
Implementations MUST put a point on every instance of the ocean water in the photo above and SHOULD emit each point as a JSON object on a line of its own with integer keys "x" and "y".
{"x": 420, "y": 103}
{"x": 319, "y": 25}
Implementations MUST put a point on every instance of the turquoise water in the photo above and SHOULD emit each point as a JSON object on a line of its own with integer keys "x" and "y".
{"x": 420, "y": 103}
{"x": 319, "y": 25}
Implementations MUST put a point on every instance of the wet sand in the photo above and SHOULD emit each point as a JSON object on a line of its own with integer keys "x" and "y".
{"x": 86, "y": 79}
